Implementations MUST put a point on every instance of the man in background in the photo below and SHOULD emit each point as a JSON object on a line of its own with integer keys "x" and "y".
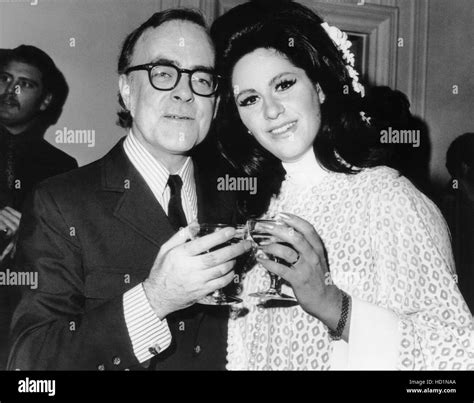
{"x": 458, "y": 208}
{"x": 32, "y": 94}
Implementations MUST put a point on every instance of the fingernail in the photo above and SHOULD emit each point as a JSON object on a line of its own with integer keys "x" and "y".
{"x": 229, "y": 232}
{"x": 283, "y": 216}
{"x": 267, "y": 226}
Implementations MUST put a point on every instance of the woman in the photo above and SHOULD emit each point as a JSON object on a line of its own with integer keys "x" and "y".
{"x": 290, "y": 115}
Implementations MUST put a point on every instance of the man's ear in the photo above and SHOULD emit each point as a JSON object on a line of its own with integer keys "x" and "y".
{"x": 46, "y": 102}
{"x": 124, "y": 88}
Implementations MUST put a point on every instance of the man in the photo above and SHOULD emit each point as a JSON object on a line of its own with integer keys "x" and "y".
{"x": 117, "y": 285}
{"x": 32, "y": 93}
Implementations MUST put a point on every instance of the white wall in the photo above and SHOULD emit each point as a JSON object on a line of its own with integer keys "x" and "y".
{"x": 450, "y": 62}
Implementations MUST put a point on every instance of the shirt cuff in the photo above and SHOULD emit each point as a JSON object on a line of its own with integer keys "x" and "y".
{"x": 374, "y": 339}
{"x": 149, "y": 335}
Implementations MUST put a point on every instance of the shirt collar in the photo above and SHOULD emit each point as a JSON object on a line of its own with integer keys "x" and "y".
{"x": 154, "y": 172}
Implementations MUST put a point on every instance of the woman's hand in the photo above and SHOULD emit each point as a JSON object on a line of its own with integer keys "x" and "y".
{"x": 308, "y": 274}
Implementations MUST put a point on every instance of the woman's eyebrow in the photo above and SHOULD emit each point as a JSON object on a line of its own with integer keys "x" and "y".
{"x": 277, "y": 77}
{"x": 250, "y": 90}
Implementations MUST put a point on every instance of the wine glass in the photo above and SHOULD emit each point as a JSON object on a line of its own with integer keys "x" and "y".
{"x": 261, "y": 237}
{"x": 218, "y": 297}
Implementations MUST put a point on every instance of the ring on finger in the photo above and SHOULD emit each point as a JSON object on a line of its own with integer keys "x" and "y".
{"x": 296, "y": 261}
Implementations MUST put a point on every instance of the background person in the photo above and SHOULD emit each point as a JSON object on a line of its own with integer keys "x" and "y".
{"x": 32, "y": 95}
{"x": 458, "y": 207}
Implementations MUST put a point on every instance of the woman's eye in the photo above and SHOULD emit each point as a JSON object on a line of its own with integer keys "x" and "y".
{"x": 285, "y": 84}
{"x": 248, "y": 100}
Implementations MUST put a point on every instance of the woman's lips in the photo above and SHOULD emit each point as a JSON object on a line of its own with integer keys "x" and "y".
{"x": 282, "y": 129}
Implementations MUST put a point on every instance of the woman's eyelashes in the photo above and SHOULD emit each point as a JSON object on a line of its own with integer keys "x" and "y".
{"x": 285, "y": 84}
{"x": 280, "y": 86}
{"x": 249, "y": 100}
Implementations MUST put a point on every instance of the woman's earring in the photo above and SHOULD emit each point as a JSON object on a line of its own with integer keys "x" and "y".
{"x": 322, "y": 96}
{"x": 249, "y": 132}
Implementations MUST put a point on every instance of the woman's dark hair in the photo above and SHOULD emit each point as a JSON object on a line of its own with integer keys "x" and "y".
{"x": 52, "y": 79}
{"x": 183, "y": 14}
{"x": 344, "y": 143}
{"x": 461, "y": 151}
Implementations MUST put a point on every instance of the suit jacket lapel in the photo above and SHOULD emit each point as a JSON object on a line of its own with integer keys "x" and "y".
{"x": 137, "y": 207}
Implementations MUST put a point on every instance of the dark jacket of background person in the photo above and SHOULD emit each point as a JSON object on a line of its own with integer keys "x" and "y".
{"x": 33, "y": 159}
{"x": 457, "y": 205}
{"x": 91, "y": 240}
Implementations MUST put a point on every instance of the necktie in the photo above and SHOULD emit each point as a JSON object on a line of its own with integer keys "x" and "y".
{"x": 176, "y": 214}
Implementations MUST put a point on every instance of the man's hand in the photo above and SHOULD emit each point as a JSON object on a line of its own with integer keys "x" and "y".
{"x": 9, "y": 224}
{"x": 184, "y": 272}
{"x": 9, "y": 221}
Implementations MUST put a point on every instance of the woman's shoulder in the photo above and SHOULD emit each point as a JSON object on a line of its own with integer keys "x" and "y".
{"x": 385, "y": 185}
{"x": 389, "y": 190}
{"x": 385, "y": 180}
{"x": 376, "y": 180}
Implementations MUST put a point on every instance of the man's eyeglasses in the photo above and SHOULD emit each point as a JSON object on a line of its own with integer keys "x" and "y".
{"x": 166, "y": 77}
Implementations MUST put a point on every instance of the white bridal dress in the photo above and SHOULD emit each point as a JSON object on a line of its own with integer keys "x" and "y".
{"x": 388, "y": 247}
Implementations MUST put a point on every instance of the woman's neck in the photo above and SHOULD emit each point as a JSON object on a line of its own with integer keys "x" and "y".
{"x": 305, "y": 170}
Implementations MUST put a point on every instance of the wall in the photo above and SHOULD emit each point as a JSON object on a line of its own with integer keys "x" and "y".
{"x": 450, "y": 62}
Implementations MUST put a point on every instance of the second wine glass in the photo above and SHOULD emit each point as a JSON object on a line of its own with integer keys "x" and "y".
{"x": 261, "y": 237}
{"x": 218, "y": 297}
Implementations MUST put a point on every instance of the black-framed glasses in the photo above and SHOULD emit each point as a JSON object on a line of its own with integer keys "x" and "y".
{"x": 165, "y": 77}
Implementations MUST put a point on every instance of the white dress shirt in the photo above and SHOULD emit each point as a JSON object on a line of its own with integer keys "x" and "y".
{"x": 150, "y": 334}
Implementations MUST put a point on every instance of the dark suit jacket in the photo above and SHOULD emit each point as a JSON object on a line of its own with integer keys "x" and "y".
{"x": 92, "y": 234}
{"x": 34, "y": 160}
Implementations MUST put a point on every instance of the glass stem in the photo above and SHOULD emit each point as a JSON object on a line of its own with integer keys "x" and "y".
{"x": 275, "y": 283}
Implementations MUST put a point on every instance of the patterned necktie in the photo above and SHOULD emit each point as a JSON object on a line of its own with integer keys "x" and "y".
{"x": 10, "y": 174}
{"x": 176, "y": 214}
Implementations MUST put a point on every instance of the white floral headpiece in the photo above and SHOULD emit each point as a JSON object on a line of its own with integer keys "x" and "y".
{"x": 343, "y": 44}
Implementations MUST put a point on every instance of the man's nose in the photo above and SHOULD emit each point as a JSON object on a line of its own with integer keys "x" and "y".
{"x": 273, "y": 108}
{"x": 182, "y": 92}
{"x": 11, "y": 87}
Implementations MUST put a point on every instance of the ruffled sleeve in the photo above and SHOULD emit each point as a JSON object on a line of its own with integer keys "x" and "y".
{"x": 412, "y": 255}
